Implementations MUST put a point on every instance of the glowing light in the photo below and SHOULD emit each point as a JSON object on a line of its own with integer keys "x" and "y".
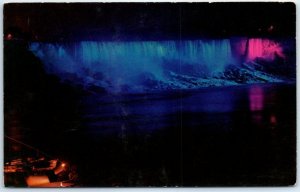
{"x": 273, "y": 120}
{"x": 37, "y": 180}
{"x": 271, "y": 28}
{"x": 9, "y": 36}
{"x": 63, "y": 164}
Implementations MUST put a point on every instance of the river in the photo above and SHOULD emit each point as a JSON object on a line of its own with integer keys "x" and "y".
{"x": 232, "y": 136}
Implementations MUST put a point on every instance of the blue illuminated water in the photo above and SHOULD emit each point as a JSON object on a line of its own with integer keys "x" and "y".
{"x": 124, "y": 62}
{"x": 140, "y": 66}
{"x": 146, "y": 55}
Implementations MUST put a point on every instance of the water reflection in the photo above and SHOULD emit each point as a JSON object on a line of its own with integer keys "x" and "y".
{"x": 256, "y": 97}
{"x": 259, "y": 105}
{"x": 256, "y": 102}
{"x": 273, "y": 121}
{"x": 141, "y": 136}
{"x": 210, "y": 100}
{"x": 200, "y": 108}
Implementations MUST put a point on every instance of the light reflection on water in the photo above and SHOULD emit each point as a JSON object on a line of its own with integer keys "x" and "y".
{"x": 256, "y": 97}
{"x": 195, "y": 108}
{"x": 257, "y": 105}
{"x": 247, "y": 115}
{"x": 208, "y": 108}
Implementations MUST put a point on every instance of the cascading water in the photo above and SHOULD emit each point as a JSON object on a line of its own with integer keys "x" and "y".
{"x": 114, "y": 64}
{"x": 264, "y": 48}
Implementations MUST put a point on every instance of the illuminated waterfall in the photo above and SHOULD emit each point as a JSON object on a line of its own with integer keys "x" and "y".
{"x": 124, "y": 62}
{"x": 264, "y": 48}
{"x": 133, "y": 57}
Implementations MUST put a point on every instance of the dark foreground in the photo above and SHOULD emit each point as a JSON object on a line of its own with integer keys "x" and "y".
{"x": 226, "y": 136}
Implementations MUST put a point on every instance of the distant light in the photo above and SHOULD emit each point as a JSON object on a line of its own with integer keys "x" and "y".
{"x": 63, "y": 165}
{"x": 256, "y": 97}
{"x": 271, "y": 28}
{"x": 9, "y": 36}
{"x": 273, "y": 119}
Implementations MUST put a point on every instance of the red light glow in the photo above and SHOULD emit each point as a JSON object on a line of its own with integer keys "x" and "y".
{"x": 271, "y": 28}
{"x": 273, "y": 120}
{"x": 9, "y": 36}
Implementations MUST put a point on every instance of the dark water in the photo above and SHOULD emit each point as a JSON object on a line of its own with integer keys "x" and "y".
{"x": 242, "y": 135}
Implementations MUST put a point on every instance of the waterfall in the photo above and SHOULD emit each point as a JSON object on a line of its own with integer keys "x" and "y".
{"x": 145, "y": 55}
{"x": 124, "y": 62}
{"x": 264, "y": 48}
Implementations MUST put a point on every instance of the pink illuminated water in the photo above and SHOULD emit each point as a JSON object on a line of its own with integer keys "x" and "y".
{"x": 256, "y": 97}
{"x": 264, "y": 48}
{"x": 259, "y": 48}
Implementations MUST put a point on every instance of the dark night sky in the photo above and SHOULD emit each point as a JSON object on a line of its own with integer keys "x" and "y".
{"x": 136, "y": 21}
